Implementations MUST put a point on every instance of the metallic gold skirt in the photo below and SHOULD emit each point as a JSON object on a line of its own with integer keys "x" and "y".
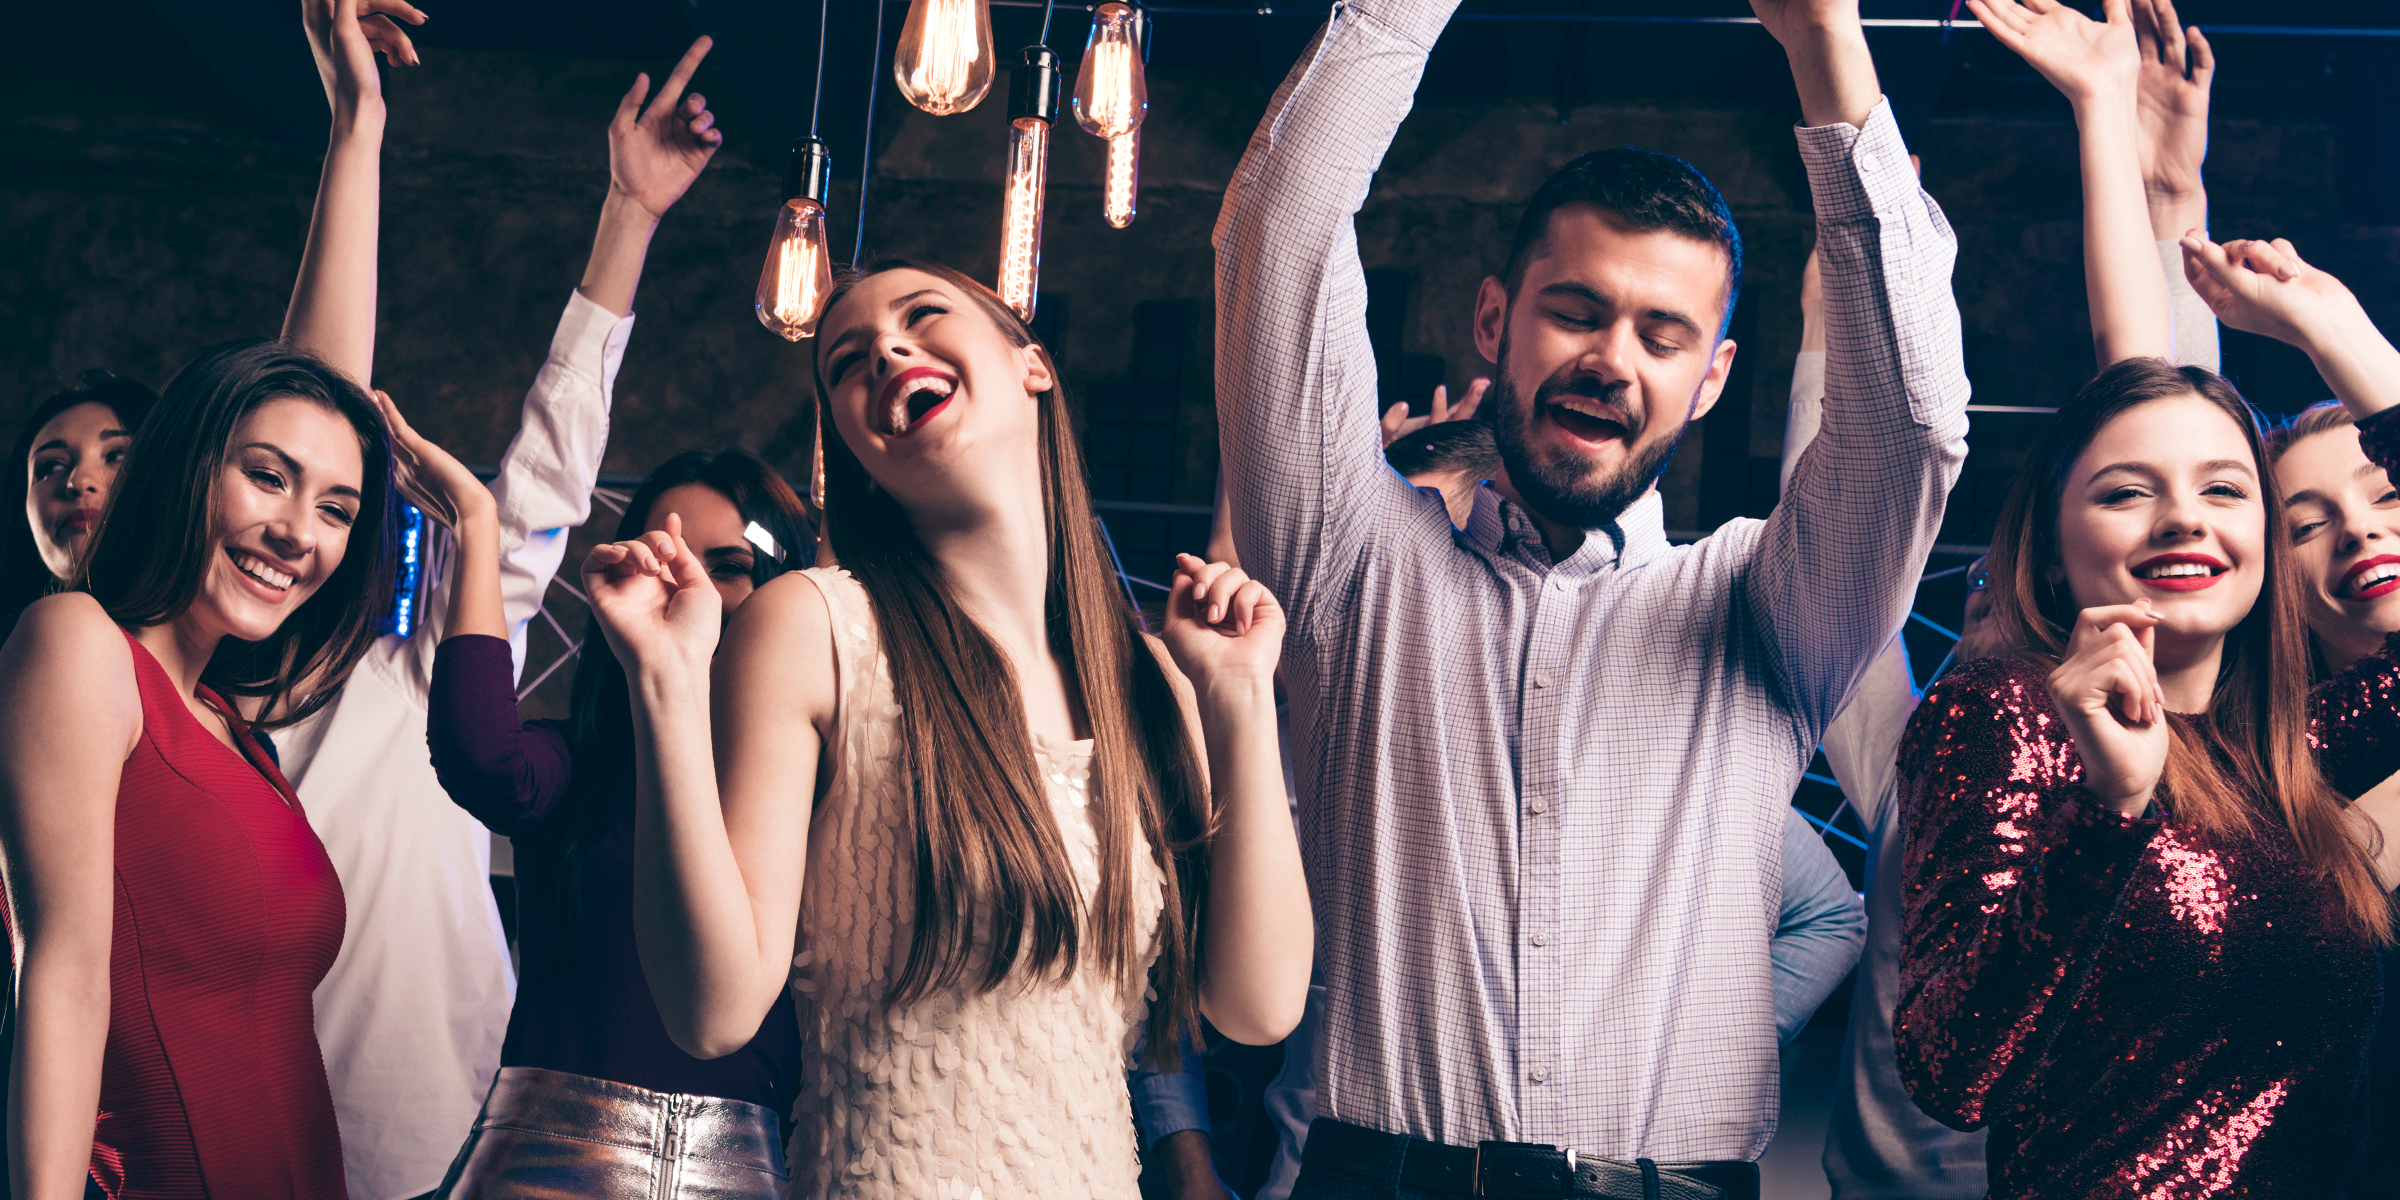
{"x": 546, "y": 1134}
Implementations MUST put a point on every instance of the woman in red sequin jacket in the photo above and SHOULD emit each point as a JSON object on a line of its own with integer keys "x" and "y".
{"x": 2142, "y": 919}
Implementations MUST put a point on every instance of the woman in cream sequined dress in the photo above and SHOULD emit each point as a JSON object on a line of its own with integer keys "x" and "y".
{"x": 960, "y": 802}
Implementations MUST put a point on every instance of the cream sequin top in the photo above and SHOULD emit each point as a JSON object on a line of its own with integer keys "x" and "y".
{"x": 1018, "y": 1092}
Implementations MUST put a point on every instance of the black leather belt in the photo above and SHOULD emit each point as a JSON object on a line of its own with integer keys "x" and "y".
{"x": 1518, "y": 1170}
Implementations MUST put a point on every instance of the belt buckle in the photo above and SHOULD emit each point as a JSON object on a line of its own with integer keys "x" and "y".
{"x": 1520, "y": 1188}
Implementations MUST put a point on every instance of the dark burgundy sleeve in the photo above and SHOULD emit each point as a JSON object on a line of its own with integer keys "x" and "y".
{"x": 2010, "y": 871}
{"x": 510, "y": 773}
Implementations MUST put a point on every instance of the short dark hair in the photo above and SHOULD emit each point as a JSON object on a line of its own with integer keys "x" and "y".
{"x": 1644, "y": 189}
{"x": 1449, "y": 446}
{"x": 24, "y": 577}
{"x": 158, "y": 535}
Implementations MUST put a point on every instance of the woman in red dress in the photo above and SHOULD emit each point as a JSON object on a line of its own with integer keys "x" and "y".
{"x": 171, "y": 911}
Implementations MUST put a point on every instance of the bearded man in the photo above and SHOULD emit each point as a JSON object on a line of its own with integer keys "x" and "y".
{"x": 1543, "y": 760}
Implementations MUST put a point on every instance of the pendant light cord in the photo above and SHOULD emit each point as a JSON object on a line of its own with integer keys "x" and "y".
{"x": 1048, "y": 6}
{"x": 866, "y": 160}
{"x": 816, "y": 103}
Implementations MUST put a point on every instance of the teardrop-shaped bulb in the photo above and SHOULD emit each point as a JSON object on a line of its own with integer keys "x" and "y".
{"x": 1021, "y": 223}
{"x": 1122, "y": 188}
{"x": 799, "y": 272}
{"x": 944, "y": 62}
{"x": 1111, "y": 96}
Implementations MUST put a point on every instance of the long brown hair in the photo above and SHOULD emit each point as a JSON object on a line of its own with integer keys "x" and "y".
{"x": 984, "y": 840}
{"x": 158, "y": 535}
{"x": 2259, "y": 711}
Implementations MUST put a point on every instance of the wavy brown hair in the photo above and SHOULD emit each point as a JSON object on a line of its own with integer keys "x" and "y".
{"x": 158, "y": 535}
{"x": 2259, "y": 711}
{"x": 985, "y": 847}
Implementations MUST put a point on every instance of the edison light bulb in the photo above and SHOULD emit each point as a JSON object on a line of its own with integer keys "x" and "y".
{"x": 1110, "y": 95}
{"x": 799, "y": 270}
{"x": 1123, "y": 187}
{"x": 944, "y": 63}
{"x": 1032, "y": 105}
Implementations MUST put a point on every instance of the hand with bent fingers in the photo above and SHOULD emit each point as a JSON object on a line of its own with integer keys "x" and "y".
{"x": 2171, "y": 99}
{"x": 1221, "y": 624}
{"x": 655, "y": 603}
{"x": 345, "y": 36}
{"x": 430, "y": 477}
{"x": 2084, "y": 59}
{"x": 654, "y": 155}
{"x": 2265, "y": 288}
{"x": 1398, "y": 424}
{"x": 2107, "y": 690}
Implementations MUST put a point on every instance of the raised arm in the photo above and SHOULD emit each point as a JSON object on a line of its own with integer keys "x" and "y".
{"x": 2011, "y": 870}
{"x": 2265, "y": 288}
{"x": 1295, "y": 375}
{"x": 2172, "y": 103}
{"x": 1258, "y": 938}
{"x": 73, "y": 714}
{"x": 1836, "y": 566}
{"x": 721, "y": 806}
{"x": 333, "y": 302}
{"x": 2098, "y": 67}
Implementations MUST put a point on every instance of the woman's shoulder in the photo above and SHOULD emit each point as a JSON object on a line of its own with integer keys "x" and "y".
{"x": 2006, "y": 695}
{"x": 72, "y": 626}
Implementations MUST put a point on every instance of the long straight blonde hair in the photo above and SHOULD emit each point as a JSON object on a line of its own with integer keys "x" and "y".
{"x": 985, "y": 847}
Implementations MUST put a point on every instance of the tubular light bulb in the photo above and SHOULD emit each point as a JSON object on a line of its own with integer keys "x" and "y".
{"x": 1110, "y": 94}
{"x": 1123, "y": 187}
{"x": 798, "y": 274}
{"x": 1021, "y": 232}
{"x": 944, "y": 62}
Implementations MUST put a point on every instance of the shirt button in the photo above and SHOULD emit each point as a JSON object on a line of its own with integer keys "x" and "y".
{"x": 1539, "y": 805}
{"x": 1557, "y": 584}
{"x": 1868, "y": 161}
{"x": 1541, "y": 1074}
{"x": 1541, "y": 681}
{"x": 1541, "y": 939}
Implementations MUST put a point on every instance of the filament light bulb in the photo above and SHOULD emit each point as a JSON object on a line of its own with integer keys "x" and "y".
{"x": 1021, "y": 229}
{"x": 1123, "y": 186}
{"x": 798, "y": 274}
{"x": 1110, "y": 94}
{"x": 1032, "y": 106}
{"x": 944, "y": 62}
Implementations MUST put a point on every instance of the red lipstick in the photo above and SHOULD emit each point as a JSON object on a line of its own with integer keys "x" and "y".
{"x": 2380, "y": 588}
{"x": 2181, "y": 582}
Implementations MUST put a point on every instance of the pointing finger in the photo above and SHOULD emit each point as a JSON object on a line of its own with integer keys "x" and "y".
{"x": 672, "y": 91}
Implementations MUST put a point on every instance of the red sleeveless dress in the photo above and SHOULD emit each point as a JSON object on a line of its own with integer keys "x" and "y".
{"x": 228, "y": 913}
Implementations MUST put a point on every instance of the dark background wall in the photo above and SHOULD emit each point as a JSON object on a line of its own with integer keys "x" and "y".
{"x": 157, "y": 166}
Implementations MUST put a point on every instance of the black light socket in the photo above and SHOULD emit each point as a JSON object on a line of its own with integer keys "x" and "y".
{"x": 809, "y": 172}
{"x": 1033, "y": 87}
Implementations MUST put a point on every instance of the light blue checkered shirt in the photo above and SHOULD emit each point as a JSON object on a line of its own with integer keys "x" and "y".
{"x": 1543, "y": 804}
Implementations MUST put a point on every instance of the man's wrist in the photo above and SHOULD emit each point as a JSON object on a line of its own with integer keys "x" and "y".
{"x": 2176, "y": 210}
{"x": 1834, "y": 73}
{"x": 621, "y": 208}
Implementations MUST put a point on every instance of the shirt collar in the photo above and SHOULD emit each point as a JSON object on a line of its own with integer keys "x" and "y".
{"x": 1638, "y": 535}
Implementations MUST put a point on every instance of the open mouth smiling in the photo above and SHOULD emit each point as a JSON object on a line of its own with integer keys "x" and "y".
{"x": 1586, "y": 418}
{"x": 2371, "y": 579}
{"x": 913, "y": 397}
{"x": 257, "y": 569}
{"x": 2181, "y": 572}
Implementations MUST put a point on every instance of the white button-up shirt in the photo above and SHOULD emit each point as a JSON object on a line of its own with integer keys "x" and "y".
{"x": 413, "y": 1012}
{"x": 1490, "y": 744}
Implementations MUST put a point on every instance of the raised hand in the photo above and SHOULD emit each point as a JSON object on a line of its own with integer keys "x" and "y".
{"x": 2108, "y": 692}
{"x": 1792, "y": 20}
{"x": 655, "y": 603}
{"x": 654, "y": 155}
{"x": 1827, "y": 46}
{"x": 345, "y": 36}
{"x": 2171, "y": 98}
{"x": 1398, "y": 424}
{"x": 429, "y": 476}
{"x": 2265, "y": 288}
{"x": 2082, "y": 58}
{"x": 1222, "y": 625}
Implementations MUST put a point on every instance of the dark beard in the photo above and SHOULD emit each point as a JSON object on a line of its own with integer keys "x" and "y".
{"x": 1561, "y": 491}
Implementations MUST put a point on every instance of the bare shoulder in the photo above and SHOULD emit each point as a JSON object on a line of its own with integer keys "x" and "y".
{"x": 67, "y": 667}
{"x": 779, "y": 646}
{"x": 66, "y": 638}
